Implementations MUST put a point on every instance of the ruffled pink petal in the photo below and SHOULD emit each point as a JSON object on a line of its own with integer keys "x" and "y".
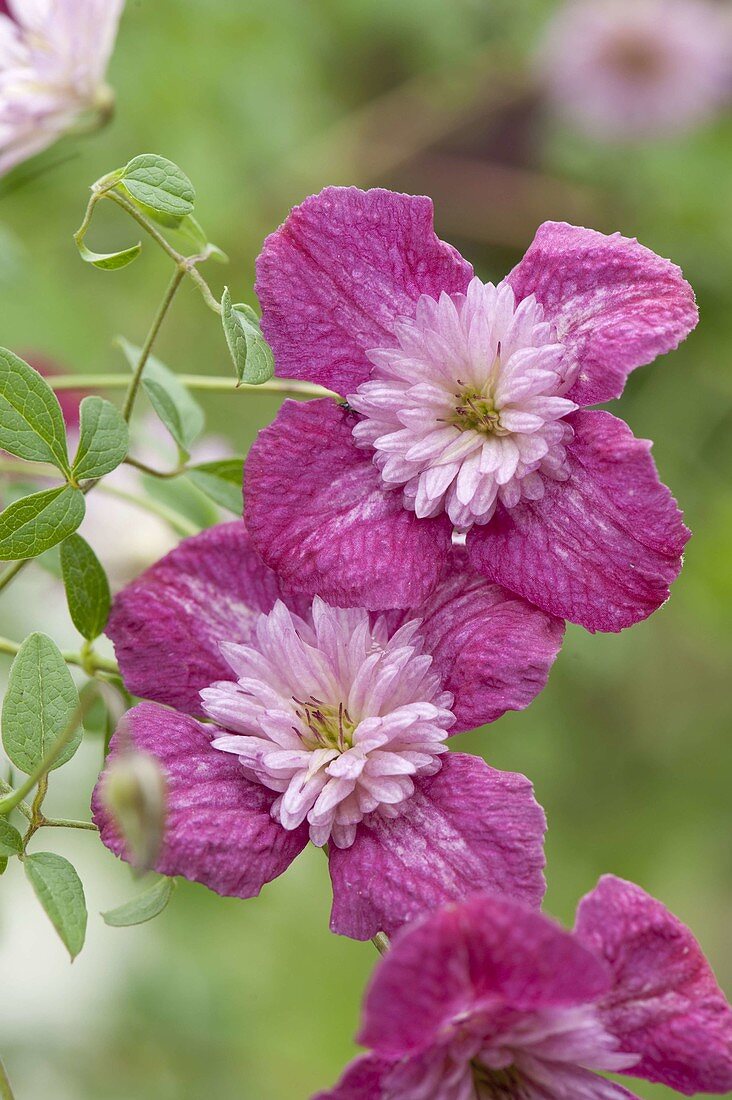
{"x": 615, "y": 303}
{"x": 484, "y": 954}
{"x": 218, "y": 829}
{"x": 167, "y": 625}
{"x": 364, "y": 1079}
{"x": 318, "y": 514}
{"x": 466, "y": 829}
{"x": 492, "y": 649}
{"x": 665, "y": 1003}
{"x": 336, "y": 275}
{"x": 600, "y": 549}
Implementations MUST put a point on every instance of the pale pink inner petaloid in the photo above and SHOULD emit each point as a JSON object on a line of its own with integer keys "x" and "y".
{"x": 335, "y": 714}
{"x": 466, "y": 409}
{"x": 548, "y": 1053}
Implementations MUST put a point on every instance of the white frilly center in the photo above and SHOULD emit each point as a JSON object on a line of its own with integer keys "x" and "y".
{"x": 552, "y": 1052}
{"x": 466, "y": 409}
{"x": 336, "y": 714}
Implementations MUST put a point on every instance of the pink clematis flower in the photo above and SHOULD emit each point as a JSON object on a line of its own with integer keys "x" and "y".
{"x": 635, "y": 69}
{"x": 53, "y": 59}
{"x": 465, "y": 412}
{"x": 487, "y": 999}
{"x": 331, "y": 725}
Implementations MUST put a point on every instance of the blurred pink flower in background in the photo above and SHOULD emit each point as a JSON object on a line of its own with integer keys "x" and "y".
{"x": 53, "y": 59}
{"x": 637, "y": 68}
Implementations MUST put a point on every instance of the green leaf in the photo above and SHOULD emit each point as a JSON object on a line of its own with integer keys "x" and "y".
{"x": 59, "y": 890}
{"x": 160, "y": 187}
{"x": 194, "y": 234}
{"x": 103, "y": 439}
{"x": 108, "y": 261}
{"x": 142, "y": 908}
{"x": 3, "y": 864}
{"x": 11, "y": 842}
{"x": 250, "y": 352}
{"x": 221, "y": 481}
{"x": 31, "y": 422}
{"x": 87, "y": 587}
{"x": 35, "y": 523}
{"x": 180, "y": 413}
{"x": 39, "y": 704}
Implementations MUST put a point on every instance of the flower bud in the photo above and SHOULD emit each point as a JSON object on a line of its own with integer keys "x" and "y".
{"x": 134, "y": 794}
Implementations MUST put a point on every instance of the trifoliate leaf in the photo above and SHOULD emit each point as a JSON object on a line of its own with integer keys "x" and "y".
{"x": 179, "y": 411}
{"x": 59, "y": 890}
{"x": 103, "y": 439}
{"x": 142, "y": 908}
{"x": 31, "y": 422}
{"x": 159, "y": 187}
{"x": 251, "y": 354}
{"x": 36, "y": 523}
{"x": 87, "y": 587}
{"x": 39, "y": 705}
{"x": 11, "y": 842}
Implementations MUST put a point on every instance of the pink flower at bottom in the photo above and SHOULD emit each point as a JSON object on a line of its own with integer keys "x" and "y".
{"x": 331, "y": 726}
{"x": 465, "y": 412}
{"x": 486, "y": 999}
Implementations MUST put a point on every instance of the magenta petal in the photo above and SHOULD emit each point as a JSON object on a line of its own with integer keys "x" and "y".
{"x": 600, "y": 549}
{"x": 665, "y": 1003}
{"x": 318, "y": 514}
{"x": 218, "y": 828}
{"x": 167, "y": 625}
{"x": 615, "y": 303}
{"x": 336, "y": 275}
{"x": 466, "y": 829}
{"x": 492, "y": 649}
{"x": 486, "y": 953}
{"x": 364, "y": 1079}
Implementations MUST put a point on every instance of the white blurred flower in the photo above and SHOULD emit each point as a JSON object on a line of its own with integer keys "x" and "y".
{"x": 53, "y": 60}
{"x": 634, "y": 69}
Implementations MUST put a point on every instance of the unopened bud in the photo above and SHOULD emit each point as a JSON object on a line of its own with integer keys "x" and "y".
{"x": 133, "y": 792}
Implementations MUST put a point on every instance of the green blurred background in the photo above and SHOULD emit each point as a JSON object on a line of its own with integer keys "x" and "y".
{"x": 629, "y": 746}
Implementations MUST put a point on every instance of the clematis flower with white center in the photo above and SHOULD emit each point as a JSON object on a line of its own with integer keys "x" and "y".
{"x": 338, "y": 716}
{"x": 53, "y": 60}
{"x": 486, "y": 1000}
{"x": 328, "y": 725}
{"x": 637, "y": 69}
{"x": 464, "y": 409}
{"x": 467, "y": 409}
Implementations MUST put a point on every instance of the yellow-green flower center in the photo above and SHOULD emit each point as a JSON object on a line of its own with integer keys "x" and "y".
{"x": 327, "y": 726}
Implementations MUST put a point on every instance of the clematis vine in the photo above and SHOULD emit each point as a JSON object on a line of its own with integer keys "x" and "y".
{"x": 486, "y": 999}
{"x": 465, "y": 413}
{"x": 637, "y": 69}
{"x": 53, "y": 60}
{"x": 331, "y": 726}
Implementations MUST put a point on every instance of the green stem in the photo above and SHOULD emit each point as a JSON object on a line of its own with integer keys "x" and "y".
{"x": 24, "y": 808}
{"x": 193, "y": 382}
{"x": 49, "y": 758}
{"x": 91, "y": 662}
{"x": 178, "y": 276}
{"x": 381, "y": 942}
{"x": 11, "y": 572}
{"x": 188, "y": 264}
{"x": 63, "y": 823}
{"x": 130, "y": 461}
{"x": 6, "y": 1091}
{"x": 179, "y": 523}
